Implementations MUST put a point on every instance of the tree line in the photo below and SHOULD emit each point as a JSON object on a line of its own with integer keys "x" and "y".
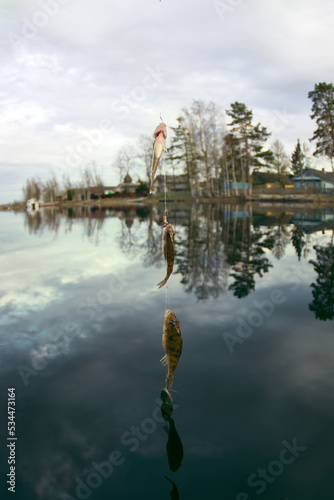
{"x": 48, "y": 189}
{"x": 219, "y": 156}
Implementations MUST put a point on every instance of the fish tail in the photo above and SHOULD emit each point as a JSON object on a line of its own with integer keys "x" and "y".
{"x": 163, "y": 282}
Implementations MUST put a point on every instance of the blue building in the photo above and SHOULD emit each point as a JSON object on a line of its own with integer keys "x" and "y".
{"x": 314, "y": 180}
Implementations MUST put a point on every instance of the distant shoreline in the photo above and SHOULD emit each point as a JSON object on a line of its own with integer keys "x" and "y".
{"x": 263, "y": 198}
{"x": 300, "y": 199}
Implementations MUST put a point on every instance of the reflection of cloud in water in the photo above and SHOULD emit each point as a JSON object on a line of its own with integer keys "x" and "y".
{"x": 234, "y": 409}
{"x": 35, "y": 277}
{"x": 21, "y": 302}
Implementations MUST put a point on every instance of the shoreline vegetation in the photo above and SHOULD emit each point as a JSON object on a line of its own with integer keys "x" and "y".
{"x": 313, "y": 199}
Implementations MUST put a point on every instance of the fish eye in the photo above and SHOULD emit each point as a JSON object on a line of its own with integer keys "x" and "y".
{"x": 171, "y": 323}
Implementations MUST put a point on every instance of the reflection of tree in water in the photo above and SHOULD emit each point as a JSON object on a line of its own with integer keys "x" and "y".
{"x": 127, "y": 240}
{"x": 298, "y": 240}
{"x": 281, "y": 237}
{"x": 93, "y": 224}
{"x": 247, "y": 257}
{"x": 218, "y": 243}
{"x": 323, "y": 289}
{"x": 37, "y": 222}
{"x": 200, "y": 254}
{"x": 153, "y": 243}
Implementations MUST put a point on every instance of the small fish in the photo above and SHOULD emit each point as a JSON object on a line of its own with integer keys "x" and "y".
{"x": 174, "y": 447}
{"x": 168, "y": 249}
{"x": 160, "y": 134}
{"x": 172, "y": 342}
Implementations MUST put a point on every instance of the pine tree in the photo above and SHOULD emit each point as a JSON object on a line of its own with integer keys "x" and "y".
{"x": 251, "y": 138}
{"x": 297, "y": 159}
{"x": 323, "y": 113}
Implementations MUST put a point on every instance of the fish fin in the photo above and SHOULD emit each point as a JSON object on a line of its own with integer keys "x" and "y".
{"x": 162, "y": 283}
{"x": 164, "y": 360}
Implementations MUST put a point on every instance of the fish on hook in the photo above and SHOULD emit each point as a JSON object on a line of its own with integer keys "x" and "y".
{"x": 160, "y": 134}
{"x": 172, "y": 343}
{"x": 168, "y": 249}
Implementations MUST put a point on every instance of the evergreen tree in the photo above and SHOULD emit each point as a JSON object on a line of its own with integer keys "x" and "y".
{"x": 297, "y": 159}
{"x": 251, "y": 138}
{"x": 323, "y": 113}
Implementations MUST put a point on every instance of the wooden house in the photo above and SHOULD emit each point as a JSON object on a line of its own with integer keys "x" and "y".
{"x": 270, "y": 180}
{"x": 314, "y": 180}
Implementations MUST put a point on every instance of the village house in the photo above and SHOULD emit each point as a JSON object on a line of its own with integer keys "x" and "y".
{"x": 128, "y": 188}
{"x": 270, "y": 180}
{"x": 91, "y": 193}
{"x": 314, "y": 180}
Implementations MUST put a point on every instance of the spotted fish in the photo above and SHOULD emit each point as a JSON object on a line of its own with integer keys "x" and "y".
{"x": 172, "y": 342}
{"x": 160, "y": 134}
{"x": 168, "y": 249}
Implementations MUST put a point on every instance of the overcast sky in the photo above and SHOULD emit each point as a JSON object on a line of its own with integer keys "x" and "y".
{"x": 82, "y": 78}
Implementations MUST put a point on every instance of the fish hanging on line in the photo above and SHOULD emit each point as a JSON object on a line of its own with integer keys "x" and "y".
{"x": 168, "y": 250}
{"x": 172, "y": 343}
{"x": 160, "y": 134}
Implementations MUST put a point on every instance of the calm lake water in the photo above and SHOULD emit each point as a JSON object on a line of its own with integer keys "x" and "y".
{"x": 81, "y": 329}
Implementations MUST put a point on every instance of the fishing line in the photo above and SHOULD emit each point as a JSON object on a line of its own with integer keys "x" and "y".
{"x": 167, "y": 300}
{"x": 165, "y": 181}
{"x": 161, "y": 58}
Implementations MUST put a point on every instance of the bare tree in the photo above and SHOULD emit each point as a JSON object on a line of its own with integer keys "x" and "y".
{"x": 32, "y": 188}
{"x": 50, "y": 189}
{"x": 145, "y": 149}
{"x": 86, "y": 181}
{"x": 125, "y": 160}
{"x": 96, "y": 178}
{"x": 280, "y": 162}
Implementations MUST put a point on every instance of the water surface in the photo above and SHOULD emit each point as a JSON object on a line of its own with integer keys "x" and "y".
{"x": 81, "y": 327}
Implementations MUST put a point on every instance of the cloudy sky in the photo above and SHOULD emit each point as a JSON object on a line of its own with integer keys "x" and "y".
{"x": 81, "y": 79}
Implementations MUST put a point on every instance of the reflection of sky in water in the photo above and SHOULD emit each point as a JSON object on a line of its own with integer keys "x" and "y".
{"x": 235, "y": 409}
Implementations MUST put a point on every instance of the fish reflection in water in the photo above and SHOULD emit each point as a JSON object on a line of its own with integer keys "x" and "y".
{"x": 172, "y": 343}
{"x": 174, "y": 494}
{"x": 174, "y": 447}
{"x": 168, "y": 250}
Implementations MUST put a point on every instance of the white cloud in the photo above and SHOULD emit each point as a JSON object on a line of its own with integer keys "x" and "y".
{"x": 70, "y": 68}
